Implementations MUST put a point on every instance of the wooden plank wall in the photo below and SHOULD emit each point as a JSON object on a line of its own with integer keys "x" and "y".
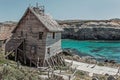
{"x": 53, "y": 44}
{"x": 31, "y": 28}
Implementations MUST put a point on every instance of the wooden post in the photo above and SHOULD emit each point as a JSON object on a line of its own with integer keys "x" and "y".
{"x": 56, "y": 63}
{"x": 16, "y": 55}
{"x": 63, "y": 60}
{"x": 7, "y": 56}
{"x": 24, "y": 52}
{"x": 60, "y": 69}
{"x": 52, "y": 61}
{"x": 58, "y": 60}
{"x": 52, "y": 73}
{"x": 30, "y": 62}
{"x": 38, "y": 62}
{"x": 48, "y": 64}
{"x": 69, "y": 77}
{"x": 44, "y": 63}
{"x": 48, "y": 74}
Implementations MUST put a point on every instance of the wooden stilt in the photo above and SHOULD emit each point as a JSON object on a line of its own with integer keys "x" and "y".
{"x": 59, "y": 60}
{"x": 63, "y": 60}
{"x": 16, "y": 55}
{"x": 30, "y": 62}
{"x": 44, "y": 63}
{"x": 25, "y": 59}
{"x": 38, "y": 62}
{"x": 48, "y": 64}
{"x": 24, "y": 52}
{"x": 53, "y": 62}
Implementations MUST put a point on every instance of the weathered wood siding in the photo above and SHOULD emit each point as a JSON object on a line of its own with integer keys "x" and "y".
{"x": 31, "y": 28}
{"x": 53, "y": 44}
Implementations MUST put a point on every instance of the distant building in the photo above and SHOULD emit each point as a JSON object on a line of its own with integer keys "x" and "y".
{"x": 36, "y": 38}
{"x": 5, "y": 31}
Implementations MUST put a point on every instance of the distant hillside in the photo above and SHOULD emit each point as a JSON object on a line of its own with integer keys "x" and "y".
{"x": 91, "y": 29}
{"x": 111, "y": 22}
{"x": 81, "y": 29}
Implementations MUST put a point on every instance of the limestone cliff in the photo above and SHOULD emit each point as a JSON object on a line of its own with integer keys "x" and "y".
{"x": 79, "y": 29}
{"x": 91, "y": 29}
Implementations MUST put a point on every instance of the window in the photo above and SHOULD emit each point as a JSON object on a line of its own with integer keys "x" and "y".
{"x": 48, "y": 50}
{"x": 40, "y": 35}
{"x": 53, "y": 35}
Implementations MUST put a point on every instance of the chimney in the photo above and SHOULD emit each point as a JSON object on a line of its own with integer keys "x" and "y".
{"x": 39, "y": 9}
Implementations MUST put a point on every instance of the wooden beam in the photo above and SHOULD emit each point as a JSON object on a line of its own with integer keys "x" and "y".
{"x": 59, "y": 59}
{"x": 20, "y": 50}
{"x": 7, "y": 54}
{"x": 30, "y": 62}
{"x": 16, "y": 55}
{"x": 48, "y": 63}
{"x": 38, "y": 62}
{"x": 24, "y": 52}
{"x": 53, "y": 62}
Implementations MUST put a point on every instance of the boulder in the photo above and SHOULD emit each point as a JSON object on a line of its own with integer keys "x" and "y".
{"x": 111, "y": 78}
{"x": 95, "y": 78}
{"x": 92, "y": 31}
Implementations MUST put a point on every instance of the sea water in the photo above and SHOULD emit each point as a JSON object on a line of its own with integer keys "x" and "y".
{"x": 98, "y": 49}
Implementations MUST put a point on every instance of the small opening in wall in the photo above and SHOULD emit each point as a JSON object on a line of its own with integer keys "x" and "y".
{"x": 48, "y": 50}
{"x": 40, "y": 35}
{"x": 53, "y": 35}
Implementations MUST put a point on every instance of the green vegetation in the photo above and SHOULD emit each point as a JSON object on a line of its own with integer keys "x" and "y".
{"x": 100, "y": 64}
{"x": 10, "y": 71}
{"x": 82, "y": 75}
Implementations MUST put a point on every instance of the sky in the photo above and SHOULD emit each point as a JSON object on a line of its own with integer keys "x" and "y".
{"x": 12, "y": 10}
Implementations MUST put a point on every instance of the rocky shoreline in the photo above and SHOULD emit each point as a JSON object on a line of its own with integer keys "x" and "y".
{"x": 75, "y": 55}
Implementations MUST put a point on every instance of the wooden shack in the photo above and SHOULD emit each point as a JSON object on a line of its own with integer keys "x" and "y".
{"x": 5, "y": 31}
{"x": 36, "y": 38}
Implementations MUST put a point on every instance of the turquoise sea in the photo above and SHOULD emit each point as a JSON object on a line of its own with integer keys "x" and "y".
{"x": 98, "y": 49}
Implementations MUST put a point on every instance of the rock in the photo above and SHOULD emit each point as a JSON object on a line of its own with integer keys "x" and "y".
{"x": 92, "y": 30}
{"x": 76, "y": 57}
{"x": 111, "y": 78}
{"x": 112, "y": 61}
{"x": 91, "y": 74}
{"x": 67, "y": 52}
{"x": 106, "y": 74}
{"x": 106, "y": 60}
{"x": 95, "y": 78}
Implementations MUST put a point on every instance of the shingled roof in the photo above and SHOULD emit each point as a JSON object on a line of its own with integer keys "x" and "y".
{"x": 4, "y": 36}
{"x": 50, "y": 24}
{"x": 5, "y": 30}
